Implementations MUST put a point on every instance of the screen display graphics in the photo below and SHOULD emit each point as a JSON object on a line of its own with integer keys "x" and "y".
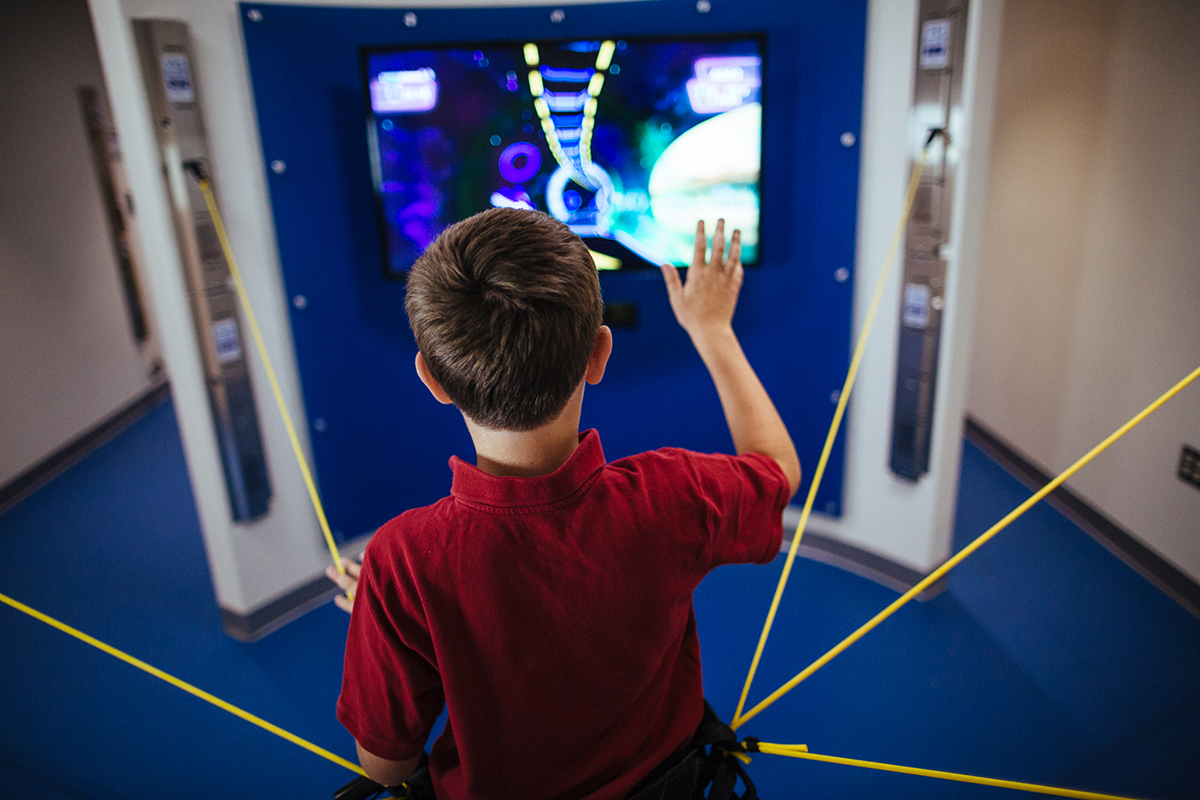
{"x": 627, "y": 141}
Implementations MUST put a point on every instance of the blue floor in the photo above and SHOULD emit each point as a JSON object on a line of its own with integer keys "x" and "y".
{"x": 1047, "y": 660}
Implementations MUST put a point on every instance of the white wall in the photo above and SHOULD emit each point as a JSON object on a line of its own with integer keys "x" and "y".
{"x": 68, "y": 358}
{"x": 252, "y": 564}
{"x": 1090, "y": 277}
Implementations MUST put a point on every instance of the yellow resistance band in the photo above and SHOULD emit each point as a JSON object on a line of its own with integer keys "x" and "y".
{"x": 971, "y": 548}
{"x": 244, "y": 297}
{"x": 187, "y": 687}
{"x": 843, "y": 399}
{"x": 801, "y": 751}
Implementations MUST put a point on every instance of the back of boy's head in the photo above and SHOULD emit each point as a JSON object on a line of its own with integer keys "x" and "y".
{"x": 505, "y": 307}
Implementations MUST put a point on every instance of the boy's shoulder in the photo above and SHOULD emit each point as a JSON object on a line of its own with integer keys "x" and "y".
{"x": 681, "y": 458}
{"x": 678, "y": 477}
{"x": 410, "y": 527}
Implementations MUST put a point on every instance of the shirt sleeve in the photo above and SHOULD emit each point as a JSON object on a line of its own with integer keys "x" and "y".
{"x": 745, "y": 496}
{"x": 391, "y": 689}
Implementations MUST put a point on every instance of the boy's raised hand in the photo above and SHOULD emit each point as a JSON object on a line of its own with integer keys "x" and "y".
{"x": 704, "y": 307}
{"x": 706, "y": 302}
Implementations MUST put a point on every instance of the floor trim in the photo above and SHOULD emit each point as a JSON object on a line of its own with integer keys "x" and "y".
{"x": 274, "y": 615}
{"x": 855, "y": 560}
{"x": 75, "y": 450}
{"x": 1150, "y": 565}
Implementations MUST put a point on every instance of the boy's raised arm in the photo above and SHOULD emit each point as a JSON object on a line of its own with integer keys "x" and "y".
{"x": 704, "y": 308}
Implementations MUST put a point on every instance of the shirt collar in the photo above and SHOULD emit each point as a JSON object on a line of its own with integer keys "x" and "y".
{"x": 476, "y": 488}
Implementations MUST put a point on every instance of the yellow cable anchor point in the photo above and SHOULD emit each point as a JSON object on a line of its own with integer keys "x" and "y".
{"x": 196, "y": 168}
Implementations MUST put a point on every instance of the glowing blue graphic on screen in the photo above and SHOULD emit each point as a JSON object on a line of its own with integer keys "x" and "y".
{"x": 628, "y": 142}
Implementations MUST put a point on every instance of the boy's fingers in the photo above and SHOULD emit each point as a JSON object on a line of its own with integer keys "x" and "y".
{"x": 718, "y": 247}
{"x": 671, "y": 279}
{"x": 343, "y": 603}
{"x": 352, "y": 567}
{"x": 698, "y": 253}
{"x": 735, "y": 248}
{"x": 344, "y": 581}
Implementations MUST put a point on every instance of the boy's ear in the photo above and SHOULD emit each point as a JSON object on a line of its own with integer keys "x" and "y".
{"x": 430, "y": 382}
{"x": 600, "y": 353}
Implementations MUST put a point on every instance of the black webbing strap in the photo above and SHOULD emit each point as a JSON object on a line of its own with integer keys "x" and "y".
{"x": 711, "y": 749}
{"x": 722, "y": 768}
{"x": 359, "y": 789}
{"x": 714, "y": 744}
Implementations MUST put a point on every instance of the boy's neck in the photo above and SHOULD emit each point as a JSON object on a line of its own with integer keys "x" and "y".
{"x": 527, "y": 454}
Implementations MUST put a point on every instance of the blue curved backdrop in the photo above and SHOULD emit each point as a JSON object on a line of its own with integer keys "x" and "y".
{"x": 380, "y": 442}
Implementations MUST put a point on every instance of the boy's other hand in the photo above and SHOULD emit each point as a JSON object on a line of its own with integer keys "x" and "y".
{"x": 705, "y": 304}
{"x": 348, "y": 582}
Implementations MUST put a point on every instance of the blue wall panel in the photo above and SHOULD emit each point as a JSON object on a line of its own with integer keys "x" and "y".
{"x": 384, "y": 441}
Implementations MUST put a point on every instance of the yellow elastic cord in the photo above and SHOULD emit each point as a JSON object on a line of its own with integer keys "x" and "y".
{"x": 801, "y": 751}
{"x": 843, "y": 399}
{"x": 972, "y": 547}
{"x": 244, "y": 297}
{"x": 187, "y": 687}
{"x": 740, "y": 755}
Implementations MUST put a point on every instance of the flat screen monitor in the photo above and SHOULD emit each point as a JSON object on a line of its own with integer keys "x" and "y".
{"x": 629, "y": 141}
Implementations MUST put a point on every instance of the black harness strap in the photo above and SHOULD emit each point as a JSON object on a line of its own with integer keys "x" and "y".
{"x": 706, "y": 769}
{"x": 717, "y": 770}
{"x": 722, "y": 767}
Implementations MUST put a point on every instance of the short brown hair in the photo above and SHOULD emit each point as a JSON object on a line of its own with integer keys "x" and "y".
{"x": 505, "y": 307}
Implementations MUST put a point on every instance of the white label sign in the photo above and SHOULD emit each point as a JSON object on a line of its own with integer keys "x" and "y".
{"x": 177, "y": 78}
{"x": 916, "y": 305}
{"x": 225, "y": 336}
{"x": 935, "y": 44}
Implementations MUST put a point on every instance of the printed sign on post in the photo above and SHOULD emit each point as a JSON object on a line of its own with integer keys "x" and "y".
{"x": 935, "y": 44}
{"x": 225, "y": 336}
{"x": 177, "y": 78}
{"x": 916, "y": 305}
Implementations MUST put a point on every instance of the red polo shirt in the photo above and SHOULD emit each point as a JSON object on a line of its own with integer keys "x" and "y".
{"x": 553, "y": 616}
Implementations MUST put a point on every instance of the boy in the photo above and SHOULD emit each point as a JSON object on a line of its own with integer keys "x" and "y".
{"x": 547, "y": 602}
